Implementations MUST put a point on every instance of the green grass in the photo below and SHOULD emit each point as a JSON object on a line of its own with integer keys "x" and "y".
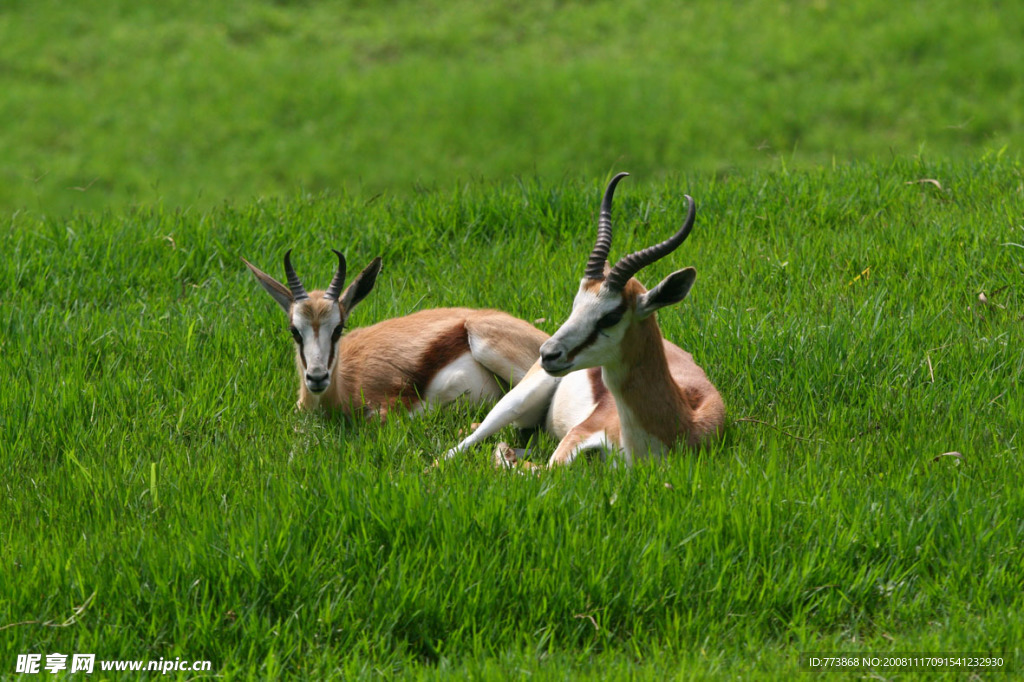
{"x": 113, "y": 103}
{"x": 857, "y": 169}
{"x": 153, "y": 468}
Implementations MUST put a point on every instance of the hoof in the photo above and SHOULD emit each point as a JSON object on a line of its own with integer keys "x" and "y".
{"x": 505, "y": 457}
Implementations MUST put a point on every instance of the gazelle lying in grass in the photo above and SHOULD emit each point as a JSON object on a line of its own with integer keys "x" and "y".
{"x": 427, "y": 358}
{"x": 607, "y": 379}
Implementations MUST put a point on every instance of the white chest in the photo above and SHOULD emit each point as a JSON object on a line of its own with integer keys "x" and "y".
{"x": 572, "y": 403}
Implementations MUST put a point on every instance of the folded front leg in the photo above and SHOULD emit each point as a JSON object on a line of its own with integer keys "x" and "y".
{"x": 525, "y": 405}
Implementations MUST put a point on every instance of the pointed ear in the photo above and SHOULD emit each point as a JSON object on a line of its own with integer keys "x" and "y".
{"x": 278, "y": 291}
{"x": 360, "y": 286}
{"x": 672, "y": 289}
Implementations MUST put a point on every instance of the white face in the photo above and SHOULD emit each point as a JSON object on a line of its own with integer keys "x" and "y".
{"x": 316, "y": 327}
{"x": 592, "y": 335}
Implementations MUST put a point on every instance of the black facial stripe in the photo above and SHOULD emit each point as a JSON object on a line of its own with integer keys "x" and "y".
{"x": 593, "y": 335}
{"x": 302, "y": 355}
{"x": 615, "y": 316}
{"x": 586, "y": 342}
{"x": 335, "y": 339}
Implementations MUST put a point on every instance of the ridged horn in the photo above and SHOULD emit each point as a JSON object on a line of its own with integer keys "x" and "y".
{"x": 294, "y": 283}
{"x": 634, "y": 262}
{"x": 334, "y": 291}
{"x": 599, "y": 255}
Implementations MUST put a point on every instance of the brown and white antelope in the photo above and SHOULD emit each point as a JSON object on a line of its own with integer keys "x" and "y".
{"x": 430, "y": 357}
{"x": 607, "y": 379}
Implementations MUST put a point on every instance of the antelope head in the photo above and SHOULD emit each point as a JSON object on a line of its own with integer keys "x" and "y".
{"x": 610, "y": 302}
{"x": 316, "y": 319}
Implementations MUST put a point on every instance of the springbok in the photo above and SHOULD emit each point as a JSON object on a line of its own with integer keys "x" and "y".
{"x": 607, "y": 379}
{"x": 430, "y": 357}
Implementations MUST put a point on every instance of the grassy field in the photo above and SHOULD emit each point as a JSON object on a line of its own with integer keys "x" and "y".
{"x": 859, "y": 303}
{"x": 155, "y": 473}
{"x": 110, "y": 102}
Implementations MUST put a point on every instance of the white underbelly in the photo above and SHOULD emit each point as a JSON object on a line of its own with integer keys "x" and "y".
{"x": 572, "y": 403}
{"x": 462, "y": 378}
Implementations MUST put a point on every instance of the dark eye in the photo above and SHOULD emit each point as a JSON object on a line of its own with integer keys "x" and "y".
{"x": 296, "y": 335}
{"x": 336, "y": 334}
{"x": 611, "y": 319}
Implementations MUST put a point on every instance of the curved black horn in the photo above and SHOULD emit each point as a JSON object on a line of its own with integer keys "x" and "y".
{"x": 634, "y": 262}
{"x": 595, "y": 266}
{"x": 294, "y": 283}
{"x": 334, "y": 291}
